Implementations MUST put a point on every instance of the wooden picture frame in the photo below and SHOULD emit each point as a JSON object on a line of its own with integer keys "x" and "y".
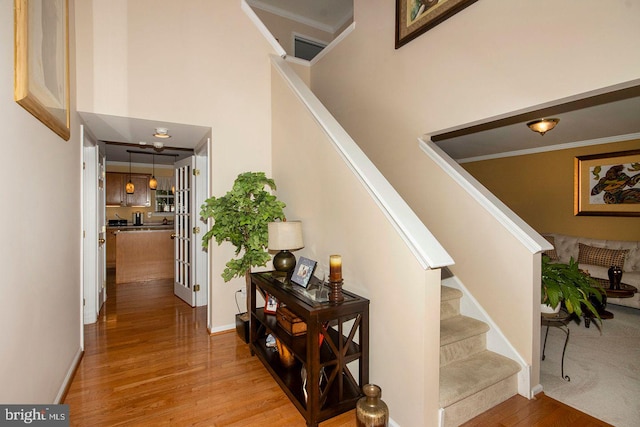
{"x": 607, "y": 184}
{"x": 415, "y": 17}
{"x": 270, "y": 304}
{"x": 41, "y": 80}
{"x": 303, "y": 271}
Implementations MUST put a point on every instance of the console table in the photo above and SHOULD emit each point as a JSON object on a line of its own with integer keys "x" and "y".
{"x": 319, "y": 383}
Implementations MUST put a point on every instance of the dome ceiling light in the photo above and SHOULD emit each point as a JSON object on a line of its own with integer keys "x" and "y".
{"x": 162, "y": 133}
{"x": 543, "y": 126}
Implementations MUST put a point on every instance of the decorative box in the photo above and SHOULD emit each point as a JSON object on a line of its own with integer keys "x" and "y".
{"x": 290, "y": 322}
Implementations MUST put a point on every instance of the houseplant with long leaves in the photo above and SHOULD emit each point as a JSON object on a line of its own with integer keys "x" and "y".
{"x": 567, "y": 284}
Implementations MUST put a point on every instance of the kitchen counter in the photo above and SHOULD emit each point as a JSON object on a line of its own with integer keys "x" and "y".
{"x": 143, "y": 253}
{"x": 145, "y": 227}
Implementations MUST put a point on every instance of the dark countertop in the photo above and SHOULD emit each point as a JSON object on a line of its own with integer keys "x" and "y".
{"x": 145, "y": 227}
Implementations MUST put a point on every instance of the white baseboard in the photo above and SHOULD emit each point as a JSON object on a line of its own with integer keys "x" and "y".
{"x": 69, "y": 377}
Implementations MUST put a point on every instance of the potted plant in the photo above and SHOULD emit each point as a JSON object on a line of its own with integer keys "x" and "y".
{"x": 567, "y": 284}
{"x": 241, "y": 217}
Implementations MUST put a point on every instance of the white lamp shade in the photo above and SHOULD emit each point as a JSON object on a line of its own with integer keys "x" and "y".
{"x": 285, "y": 235}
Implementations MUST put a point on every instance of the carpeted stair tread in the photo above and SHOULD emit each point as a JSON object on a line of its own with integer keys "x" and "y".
{"x": 463, "y": 378}
{"x": 460, "y": 327}
{"x": 447, "y": 293}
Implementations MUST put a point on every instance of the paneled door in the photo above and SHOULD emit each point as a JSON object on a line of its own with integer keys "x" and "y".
{"x": 184, "y": 237}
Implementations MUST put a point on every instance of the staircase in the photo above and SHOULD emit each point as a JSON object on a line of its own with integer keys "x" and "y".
{"x": 472, "y": 378}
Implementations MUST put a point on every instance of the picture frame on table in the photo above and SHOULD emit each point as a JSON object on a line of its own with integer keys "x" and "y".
{"x": 303, "y": 271}
{"x": 415, "y": 17}
{"x": 270, "y": 304}
{"x": 41, "y": 80}
{"x": 607, "y": 184}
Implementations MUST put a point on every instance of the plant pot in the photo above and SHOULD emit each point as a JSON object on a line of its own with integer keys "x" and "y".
{"x": 547, "y": 309}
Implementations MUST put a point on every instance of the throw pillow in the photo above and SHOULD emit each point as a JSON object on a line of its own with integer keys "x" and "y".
{"x": 601, "y": 256}
{"x": 551, "y": 253}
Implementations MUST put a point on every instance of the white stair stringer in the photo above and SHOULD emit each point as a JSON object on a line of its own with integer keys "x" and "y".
{"x": 472, "y": 378}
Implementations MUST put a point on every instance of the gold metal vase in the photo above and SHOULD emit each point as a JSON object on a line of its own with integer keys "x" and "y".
{"x": 371, "y": 411}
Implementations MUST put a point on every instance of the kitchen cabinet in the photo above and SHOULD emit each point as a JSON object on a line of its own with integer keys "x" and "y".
{"x": 116, "y": 195}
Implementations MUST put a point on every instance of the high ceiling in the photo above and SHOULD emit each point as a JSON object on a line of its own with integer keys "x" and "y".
{"x": 328, "y": 15}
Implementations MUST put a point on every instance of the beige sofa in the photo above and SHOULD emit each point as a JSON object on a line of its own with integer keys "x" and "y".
{"x": 596, "y": 256}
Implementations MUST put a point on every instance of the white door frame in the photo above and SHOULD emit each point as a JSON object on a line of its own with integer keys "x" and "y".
{"x": 90, "y": 282}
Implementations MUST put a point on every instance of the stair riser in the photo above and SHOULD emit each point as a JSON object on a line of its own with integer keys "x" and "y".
{"x": 449, "y": 308}
{"x": 464, "y": 410}
{"x": 462, "y": 349}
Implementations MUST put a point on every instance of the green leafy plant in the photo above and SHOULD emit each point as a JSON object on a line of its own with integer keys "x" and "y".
{"x": 567, "y": 284}
{"x": 241, "y": 217}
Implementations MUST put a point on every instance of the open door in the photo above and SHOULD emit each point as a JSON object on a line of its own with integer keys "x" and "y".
{"x": 102, "y": 233}
{"x": 184, "y": 239}
{"x": 94, "y": 273}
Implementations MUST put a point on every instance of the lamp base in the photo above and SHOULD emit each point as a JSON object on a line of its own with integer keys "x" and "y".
{"x": 284, "y": 261}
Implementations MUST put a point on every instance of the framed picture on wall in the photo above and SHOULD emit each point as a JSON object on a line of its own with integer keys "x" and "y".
{"x": 608, "y": 184}
{"x": 415, "y": 17}
{"x": 42, "y": 62}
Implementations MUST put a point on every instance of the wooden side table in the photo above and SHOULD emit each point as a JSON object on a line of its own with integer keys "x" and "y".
{"x": 558, "y": 320}
{"x": 318, "y": 381}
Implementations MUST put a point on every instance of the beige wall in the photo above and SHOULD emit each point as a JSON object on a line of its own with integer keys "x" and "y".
{"x": 40, "y": 249}
{"x": 478, "y": 64}
{"x": 540, "y": 189}
{"x": 339, "y": 216}
{"x": 186, "y": 69}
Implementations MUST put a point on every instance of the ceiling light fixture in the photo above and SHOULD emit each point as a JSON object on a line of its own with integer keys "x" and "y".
{"x": 158, "y": 145}
{"x": 130, "y": 188}
{"x": 162, "y": 133}
{"x": 153, "y": 182}
{"x": 543, "y": 126}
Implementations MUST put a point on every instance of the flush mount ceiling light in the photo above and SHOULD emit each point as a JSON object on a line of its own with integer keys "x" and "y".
{"x": 162, "y": 133}
{"x": 543, "y": 126}
{"x": 158, "y": 145}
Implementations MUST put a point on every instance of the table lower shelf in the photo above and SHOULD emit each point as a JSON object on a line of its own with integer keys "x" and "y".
{"x": 290, "y": 380}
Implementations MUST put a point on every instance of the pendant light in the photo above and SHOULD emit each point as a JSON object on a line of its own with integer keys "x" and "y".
{"x": 130, "y": 188}
{"x": 153, "y": 182}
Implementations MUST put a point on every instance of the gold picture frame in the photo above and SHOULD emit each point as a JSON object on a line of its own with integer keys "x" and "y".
{"x": 415, "y": 17}
{"x": 607, "y": 184}
{"x": 41, "y": 83}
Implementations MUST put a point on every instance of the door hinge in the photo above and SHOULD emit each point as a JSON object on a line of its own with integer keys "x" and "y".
{"x": 84, "y": 165}
{"x": 196, "y": 172}
{"x": 196, "y": 230}
{"x": 84, "y": 302}
{"x": 196, "y": 288}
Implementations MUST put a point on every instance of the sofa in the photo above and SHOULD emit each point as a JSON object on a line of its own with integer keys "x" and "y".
{"x": 596, "y": 256}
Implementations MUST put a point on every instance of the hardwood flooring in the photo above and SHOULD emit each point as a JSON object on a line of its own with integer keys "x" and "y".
{"x": 149, "y": 361}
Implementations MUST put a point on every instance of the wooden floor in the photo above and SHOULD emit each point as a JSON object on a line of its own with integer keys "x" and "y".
{"x": 149, "y": 360}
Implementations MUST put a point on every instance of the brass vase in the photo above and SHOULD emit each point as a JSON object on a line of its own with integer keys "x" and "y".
{"x": 371, "y": 411}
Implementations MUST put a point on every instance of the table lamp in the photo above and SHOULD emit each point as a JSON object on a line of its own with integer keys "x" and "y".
{"x": 285, "y": 236}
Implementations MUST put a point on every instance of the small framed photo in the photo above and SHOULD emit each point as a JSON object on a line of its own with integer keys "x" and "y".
{"x": 303, "y": 271}
{"x": 270, "y": 304}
